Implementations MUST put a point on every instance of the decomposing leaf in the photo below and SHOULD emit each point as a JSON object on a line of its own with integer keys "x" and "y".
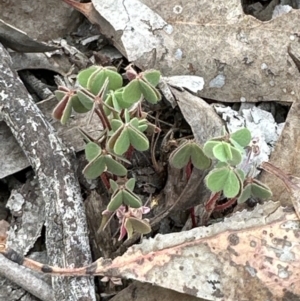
{"x": 260, "y": 247}
{"x": 19, "y": 41}
{"x": 240, "y": 57}
{"x": 291, "y": 183}
{"x": 43, "y": 22}
{"x": 285, "y": 156}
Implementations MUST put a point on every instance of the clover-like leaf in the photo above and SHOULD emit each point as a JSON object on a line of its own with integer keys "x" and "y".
{"x": 92, "y": 150}
{"x": 84, "y": 75}
{"x": 115, "y": 167}
{"x": 115, "y": 202}
{"x": 152, "y": 77}
{"x": 60, "y": 107}
{"x": 245, "y": 195}
{"x": 241, "y": 136}
{"x": 260, "y": 190}
{"x": 131, "y": 199}
{"x": 95, "y": 168}
{"x": 198, "y": 158}
{"x": 217, "y": 178}
{"x": 130, "y": 184}
{"x": 116, "y": 124}
{"x": 78, "y": 106}
{"x": 137, "y": 139}
{"x": 123, "y": 195}
{"x": 189, "y": 151}
{"x": 255, "y": 189}
{"x": 86, "y": 100}
{"x": 97, "y": 80}
{"x": 223, "y": 179}
{"x": 208, "y": 148}
{"x": 114, "y": 186}
{"x": 149, "y": 93}
{"x": 122, "y": 142}
{"x": 60, "y": 94}
{"x": 132, "y": 92}
{"x": 66, "y": 112}
{"x": 222, "y": 152}
{"x": 180, "y": 157}
{"x": 133, "y": 224}
{"x": 232, "y": 185}
{"x": 236, "y": 157}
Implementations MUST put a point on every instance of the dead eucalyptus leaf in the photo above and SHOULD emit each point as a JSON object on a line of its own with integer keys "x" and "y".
{"x": 238, "y": 56}
{"x": 18, "y": 40}
{"x": 260, "y": 247}
{"x": 285, "y": 156}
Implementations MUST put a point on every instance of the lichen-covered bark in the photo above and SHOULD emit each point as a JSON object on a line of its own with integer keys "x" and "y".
{"x": 66, "y": 229}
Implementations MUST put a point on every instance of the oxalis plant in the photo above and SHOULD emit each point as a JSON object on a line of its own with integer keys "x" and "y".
{"x": 226, "y": 179}
{"x": 101, "y": 91}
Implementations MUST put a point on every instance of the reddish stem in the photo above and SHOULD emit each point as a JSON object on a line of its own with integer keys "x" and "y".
{"x": 211, "y": 203}
{"x": 226, "y": 205}
{"x": 105, "y": 180}
{"x": 188, "y": 170}
{"x": 193, "y": 217}
{"x": 129, "y": 153}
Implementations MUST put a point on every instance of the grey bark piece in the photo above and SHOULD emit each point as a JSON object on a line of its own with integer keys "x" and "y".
{"x": 12, "y": 158}
{"x": 24, "y": 279}
{"x": 66, "y": 229}
{"x": 28, "y": 216}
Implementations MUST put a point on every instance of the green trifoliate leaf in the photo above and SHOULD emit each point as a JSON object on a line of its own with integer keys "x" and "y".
{"x": 198, "y": 158}
{"x": 115, "y": 167}
{"x": 133, "y": 224}
{"x": 78, "y": 106}
{"x": 245, "y": 195}
{"x": 217, "y": 178}
{"x": 130, "y": 184}
{"x": 116, "y": 124}
{"x": 84, "y": 75}
{"x": 114, "y": 186}
{"x": 242, "y": 137}
{"x": 209, "y": 147}
{"x": 143, "y": 126}
{"x": 92, "y": 150}
{"x": 114, "y": 136}
{"x": 241, "y": 174}
{"x": 236, "y": 157}
{"x": 180, "y": 157}
{"x": 131, "y": 199}
{"x": 66, "y": 112}
{"x": 261, "y": 191}
{"x": 137, "y": 139}
{"x": 149, "y": 92}
{"x": 126, "y": 116}
{"x": 132, "y": 92}
{"x": 60, "y": 107}
{"x": 95, "y": 168}
{"x": 222, "y": 152}
{"x": 152, "y": 77}
{"x": 122, "y": 142}
{"x": 189, "y": 151}
{"x": 115, "y": 201}
{"x": 223, "y": 179}
{"x": 59, "y": 94}
{"x": 221, "y": 164}
{"x": 123, "y": 103}
{"x": 97, "y": 80}
{"x": 86, "y": 100}
{"x": 232, "y": 185}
